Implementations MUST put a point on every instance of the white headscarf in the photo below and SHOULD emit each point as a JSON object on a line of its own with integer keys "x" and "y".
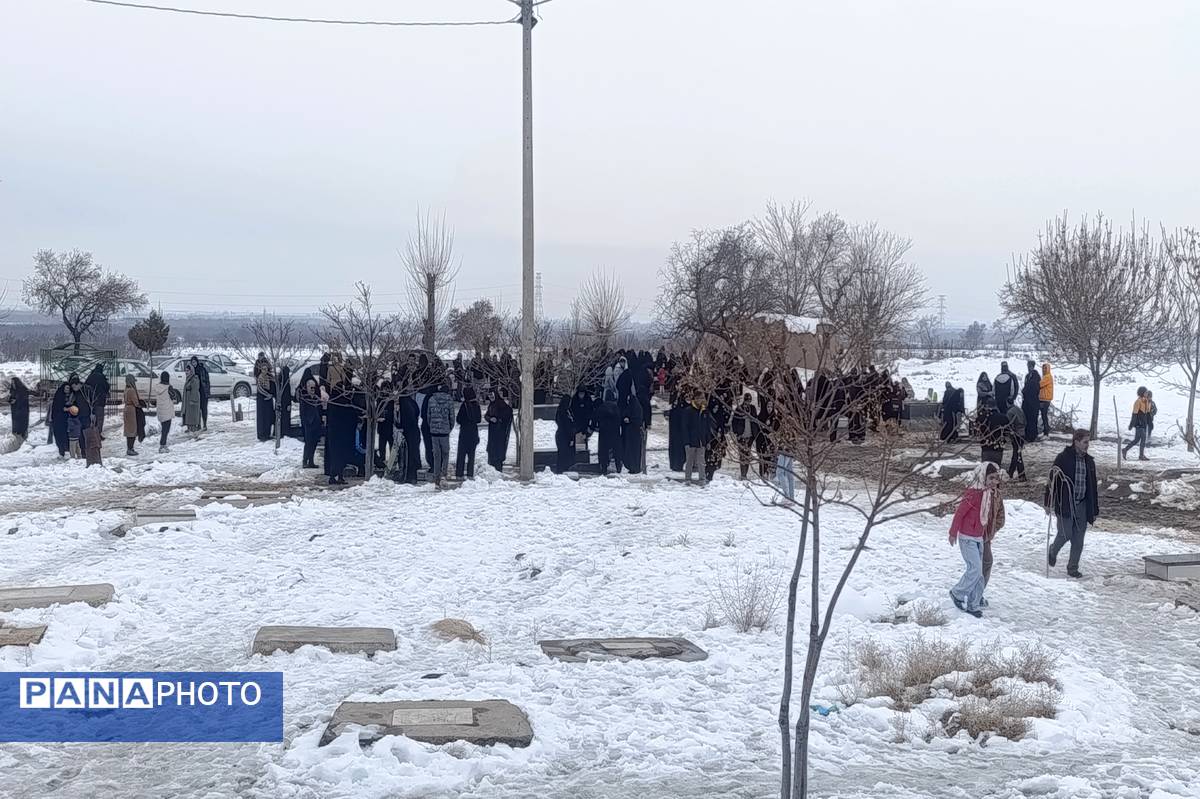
{"x": 986, "y": 495}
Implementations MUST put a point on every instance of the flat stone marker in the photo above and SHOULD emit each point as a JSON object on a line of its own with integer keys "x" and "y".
{"x": 487, "y": 722}
{"x": 21, "y": 636}
{"x": 1173, "y": 567}
{"x": 579, "y": 650}
{"x": 221, "y": 494}
{"x": 45, "y": 596}
{"x": 336, "y": 639}
{"x": 141, "y": 517}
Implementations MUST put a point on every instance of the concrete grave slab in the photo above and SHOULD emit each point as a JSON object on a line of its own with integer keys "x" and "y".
{"x": 152, "y": 516}
{"x": 487, "y": 722}
{"x": 248, "y": 494}
{"x": 45, "y": 596}
{"x": 22, "y": 636}
{"x": 579, "y": 650}
{"x": 1173, "y": 567}
{"x": 336, "y": 639}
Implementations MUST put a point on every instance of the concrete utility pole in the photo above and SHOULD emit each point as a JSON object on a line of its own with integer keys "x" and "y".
{"x": 528, "y": 356}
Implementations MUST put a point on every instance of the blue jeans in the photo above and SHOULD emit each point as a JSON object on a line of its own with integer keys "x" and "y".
{"x": 784, "y": 476}
{"x": 969, "y": 589}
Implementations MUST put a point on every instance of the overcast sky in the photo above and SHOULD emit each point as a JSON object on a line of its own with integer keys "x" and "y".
{"x": 239, "y": 164}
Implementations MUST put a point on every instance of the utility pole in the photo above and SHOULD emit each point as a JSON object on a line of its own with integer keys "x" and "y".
{"x": 525, "y": 456}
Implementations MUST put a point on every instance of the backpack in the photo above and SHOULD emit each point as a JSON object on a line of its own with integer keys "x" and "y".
{"x": 174, "y": 394}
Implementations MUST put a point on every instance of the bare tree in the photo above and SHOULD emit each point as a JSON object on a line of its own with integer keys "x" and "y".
{"x": 1006, "y": 332}
{"x": 477, "y": 327}
{"x": 1097, "y": 297}
{"x": 1183, "y": 251}
{"x": 600, "y": 310}
{"x": 280, "y": 340}
{"x": 803, "y": 251}
{"x": 878, "y": 489}
{"x": 872, "y": 293}
{"x": 714, "y": 283}
{"x": 972, "y": 336}
{"x": 926, "y": 329}
{"x": 429, "y": 259}
{"x": 73, "y": 287}
{"x": 372, "y": 343}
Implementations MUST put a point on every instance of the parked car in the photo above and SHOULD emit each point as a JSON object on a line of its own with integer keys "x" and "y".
{"x": 115, "y": 372}
{"x": 220, "y": 358}
{"x": 222, "y": 382}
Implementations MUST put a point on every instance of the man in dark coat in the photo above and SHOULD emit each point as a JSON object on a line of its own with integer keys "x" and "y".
{"x": 745, "y": 430}
{"x": 1031, "y": 401}
{"x": 500, "y": 420}
{"x": 310, "y": 420}
{"x": 1005, "y": 386}
{"x": 469, "y": 417}
{"x": 607, "y": 422}
{"x": 697, "y": 431}
{"x": 1074, "y": 499}
{"x": 96, "y": 388}
{"x": 564, "y": 436}
{"x": 951, "y": 412}
{"x": 206, "y": 390}
{"x": 632, "y": 432}
{"x": 993, "y": 436}
{"x": 581, "y": 412}
{"x": 408, "y": 416}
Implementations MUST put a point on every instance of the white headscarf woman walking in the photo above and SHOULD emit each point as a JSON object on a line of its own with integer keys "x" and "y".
{"x": 979, "y": 516}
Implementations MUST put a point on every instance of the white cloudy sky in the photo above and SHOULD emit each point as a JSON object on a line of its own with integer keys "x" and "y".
{"x": 246, "y": 164}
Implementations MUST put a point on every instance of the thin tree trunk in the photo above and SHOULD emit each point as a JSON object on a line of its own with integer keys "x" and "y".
{"x": 789, "y": 657}
{"x": 1191, "y": 414}
{"x": 800, "y": 764}
{"x": 1095, "y": 428}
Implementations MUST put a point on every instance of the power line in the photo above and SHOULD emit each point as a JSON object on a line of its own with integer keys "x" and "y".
{"x": 313, "y": 20}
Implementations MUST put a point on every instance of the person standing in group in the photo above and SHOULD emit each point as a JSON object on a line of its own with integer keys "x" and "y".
{"x": 951, "y": 413}
{"x": 1072, "y": 496}
{"x": 994, "y": 432}
{"x": 164, "y": 408}
{"x": 132, "y": 402}
{"x": 408, "y": 415}
{"x": 1016, "y": 436}
{"x": 985, "y": 400}
{"x": 264, "y": 396}
{"x": 1031, "y": 401}
{"x": 205, "y": 389}
{"x": 718, "y": 427}
{"x": 633, "y": 434}
{"x": 499, "y": 419}
{"x": 745, "y": 428}
{"x": 191, "y": 400}
{"x": 676, "y": 451}
{"x": 1046, "y": 397}
{"x": 764, "y": 443}
{"x": 441, "y": 422}
{"x": 310, "y": 421}
{"x": 18, "y": 408}
{"x": 97, "y": 388}
{"x": 1005, "y": 387}
{"x": 1139, "y": 421}
{"x": 979, "y": 515}
{"x": 341, "y": 424}
{"x": 469, "y": 418}
{"x": 607, "y": 421}
{"x": 695, "y": 436}
{"x": 75, "y": 429}
{"x": 59, "y": 414}
{"x": 385, "y": 425}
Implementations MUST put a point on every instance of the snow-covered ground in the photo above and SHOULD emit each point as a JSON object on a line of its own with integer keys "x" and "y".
{"x": 617, "y": 556}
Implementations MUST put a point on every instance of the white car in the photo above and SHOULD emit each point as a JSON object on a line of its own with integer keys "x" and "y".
{"x": 222, "y": 382}
{"x": 221, "y": 359}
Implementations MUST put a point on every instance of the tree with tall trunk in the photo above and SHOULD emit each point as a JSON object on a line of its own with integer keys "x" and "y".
{"x": 1183, "y": 253}
{"x": 428, "y": 258}
{"x": 72, "y": 286}
{"x": 1097, "y": 297}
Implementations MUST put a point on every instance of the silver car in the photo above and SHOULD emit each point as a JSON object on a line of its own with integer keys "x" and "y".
{"x": 222, "y": 382}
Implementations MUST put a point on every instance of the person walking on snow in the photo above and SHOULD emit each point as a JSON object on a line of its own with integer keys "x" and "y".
{"x": 1139, "y": 421}
{"x": 1046, "y": 397}
{"x": 1005, "y": 386}
{"x": 1016, "y": 435}
{"x": 1071, "y": 495}
{"x": 1153, "y": 413}
{"x": 1030, "y": 401}
{"x": 979, "y": 515}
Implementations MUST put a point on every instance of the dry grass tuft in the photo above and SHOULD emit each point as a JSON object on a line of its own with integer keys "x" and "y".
{"x": 748, "y": 598}
{"x": 458, "y": 630}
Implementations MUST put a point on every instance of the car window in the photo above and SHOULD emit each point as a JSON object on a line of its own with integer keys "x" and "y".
{"x": 213, "y": 366}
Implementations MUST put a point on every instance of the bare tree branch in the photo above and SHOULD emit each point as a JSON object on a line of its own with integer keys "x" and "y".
{"x": 428, "y": 258}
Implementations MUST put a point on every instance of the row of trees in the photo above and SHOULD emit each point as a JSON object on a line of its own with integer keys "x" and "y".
{"x": 793, "y": 261}
{"x": 1112, "y": 300}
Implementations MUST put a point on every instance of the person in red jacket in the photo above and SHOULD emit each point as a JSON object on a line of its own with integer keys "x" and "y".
{"x": 979, "y": 515}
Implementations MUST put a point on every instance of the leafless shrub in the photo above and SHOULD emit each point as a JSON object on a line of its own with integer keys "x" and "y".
{"x": 710, "y": 618}
{"x": 458, "y": 630}
{"x": 748, "y": 597}
{"x": 927, "y": 614}
{"x": 730, "y": 539}
{"x": 1032, "y": 663}
{"x": 1006, "y": 715}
